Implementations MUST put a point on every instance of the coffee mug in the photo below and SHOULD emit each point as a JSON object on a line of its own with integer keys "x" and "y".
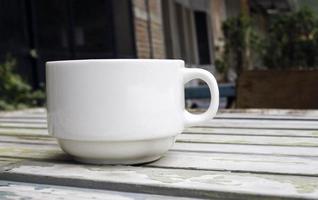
{"x": 121, "y": 111}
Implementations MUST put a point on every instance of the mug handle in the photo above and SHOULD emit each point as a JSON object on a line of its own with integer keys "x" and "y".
{"x": 195, "y": 73}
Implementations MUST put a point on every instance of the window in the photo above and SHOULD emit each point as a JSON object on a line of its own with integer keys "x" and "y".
{"x": 202, "y": 37}
{"x": 14, "y": 37}
{"x": 92, "y": 30}
{"x": 186, "y": 31}
{"x": 51, "y": 21}
{"x": 64, "y": 29}
{"x": 124, "y": 30}
{"x": 186, "y": 34}
{"x": 12, "y": 25}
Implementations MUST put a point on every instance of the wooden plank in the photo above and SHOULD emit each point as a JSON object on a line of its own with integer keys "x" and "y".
{"x": 193, "y": 130}
{"x": 27, "y": 139}
{"x": 4, "y": 162}
{"x": 179, "y": 182}
{"x": 20, "y": 190}
{"x": 32, "y": 152}
{"x": 43, "y": 119}
{"x": 254, "y": 140}
{"x": 187, "y": 146}
{"x": 218, "y": 122}
{"x": 246, "y": 149}
{"x": 30, "y": 112}
{"x": 23, "y": 131}
{"x": 272, "y": 112}
{"x": 250, "y": 131}
{"x": 306, "y": 166}
{"x": 202, "y": 151}
{"x": 215, "y": 123}
{"x": 255, "y": 118}
{"x": 264, "y": 117}
{"x": 190, "y": 138}
{"x": 26, "y": 116}
{"x": 288, "y": 115}
{"x": 180, "y": 159}
{"x": 261, "y": 124}
{"x": 23, "y": 120}
{"x": 239, "y": 112}
{"x": 22, "y": 125}
{"x": 220, "y": 115}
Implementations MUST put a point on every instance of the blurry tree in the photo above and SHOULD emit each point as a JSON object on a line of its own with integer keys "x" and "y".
{"x": 241, "y": 41}
{"x": 292, "y": 41}
{"x": 15, "y": 93}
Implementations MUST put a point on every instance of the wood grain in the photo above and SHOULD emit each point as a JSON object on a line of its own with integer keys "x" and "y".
{"x": 18, "y": 190}
{"x": 257, "y": 163}
{"x": 242, "y": 154}
{"x": 246, "y": 139}
{"x": 190, "y": 183}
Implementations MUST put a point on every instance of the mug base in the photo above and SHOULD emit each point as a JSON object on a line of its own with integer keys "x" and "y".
{"x": 116, "y": 152}
{"x": 117, "y": 162}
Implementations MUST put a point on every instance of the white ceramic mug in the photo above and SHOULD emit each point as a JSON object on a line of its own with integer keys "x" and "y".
{"x": 123, "y": 111}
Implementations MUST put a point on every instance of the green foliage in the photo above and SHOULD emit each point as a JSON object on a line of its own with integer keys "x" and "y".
{"x": 241, "y": 40}
{"x": 293, "y": 41}
{"x": 15, "y": 93}
{"x": 220, "y": 66}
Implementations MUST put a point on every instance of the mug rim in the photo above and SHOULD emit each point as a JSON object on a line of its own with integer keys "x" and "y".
{"x": 113, "y": 60}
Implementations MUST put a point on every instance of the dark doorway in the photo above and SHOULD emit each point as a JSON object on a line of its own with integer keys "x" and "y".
{"x": 202, "y": 37}
{"x": 35, "y": 31}
{"x": 14, "y": 35}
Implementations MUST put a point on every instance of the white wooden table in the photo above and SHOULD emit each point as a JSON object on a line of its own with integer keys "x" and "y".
{"x": 242, "y": 154}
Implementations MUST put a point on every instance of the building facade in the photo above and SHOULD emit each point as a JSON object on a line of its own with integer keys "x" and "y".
{"x": 35, "y": 31}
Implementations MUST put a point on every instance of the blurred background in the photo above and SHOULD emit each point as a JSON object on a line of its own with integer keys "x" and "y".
{"x": 264, "y": 53}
